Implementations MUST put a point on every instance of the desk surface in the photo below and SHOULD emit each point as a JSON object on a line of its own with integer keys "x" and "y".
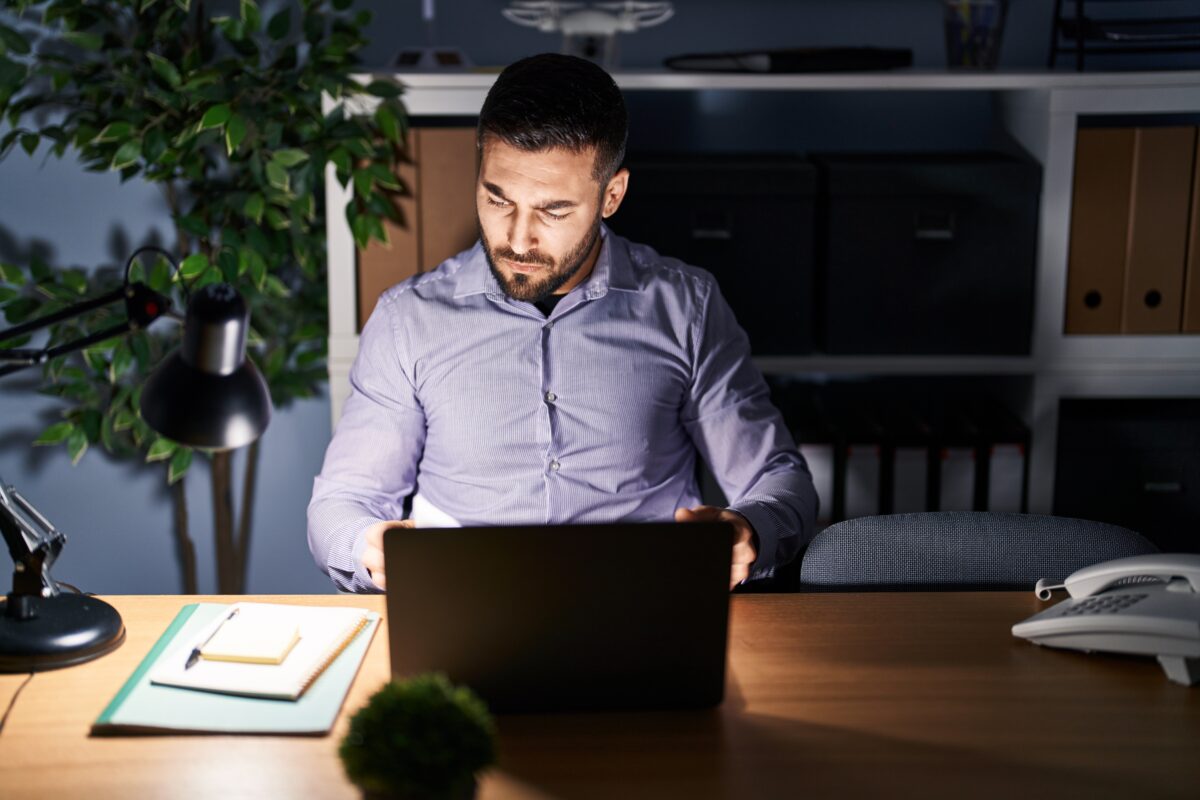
{"x": 828, "y": 694}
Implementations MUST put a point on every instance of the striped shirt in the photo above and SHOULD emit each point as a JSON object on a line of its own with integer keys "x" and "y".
{"x": 493, "y": 414}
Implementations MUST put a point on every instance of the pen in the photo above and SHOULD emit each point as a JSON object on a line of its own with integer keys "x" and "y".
{"x": 195, "y": 655}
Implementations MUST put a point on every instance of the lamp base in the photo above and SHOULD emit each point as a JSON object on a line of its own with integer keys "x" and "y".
{"x": 53, "y": 632}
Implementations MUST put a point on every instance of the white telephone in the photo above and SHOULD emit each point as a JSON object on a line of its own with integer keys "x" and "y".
{"x": 1146, "y": 605}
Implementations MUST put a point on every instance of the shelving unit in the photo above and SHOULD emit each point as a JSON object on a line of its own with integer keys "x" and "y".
{"x": 1039, "y": 109}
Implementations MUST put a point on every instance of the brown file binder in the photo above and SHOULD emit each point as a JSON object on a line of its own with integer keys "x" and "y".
{"x": 1191, "y": 279}
{"x": 438, "y": 212}
{"x": 1099, "y": 227}
{"x": 1158, "y": 229}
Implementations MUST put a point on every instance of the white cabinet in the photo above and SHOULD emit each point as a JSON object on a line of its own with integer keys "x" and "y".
{"x": 1041, "y": 110}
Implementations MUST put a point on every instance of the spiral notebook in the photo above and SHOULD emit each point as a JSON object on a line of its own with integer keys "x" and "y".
{"x": 324, "y": 632}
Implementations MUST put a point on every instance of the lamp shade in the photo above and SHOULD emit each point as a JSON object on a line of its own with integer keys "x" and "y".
{"x": 207, "y": 394}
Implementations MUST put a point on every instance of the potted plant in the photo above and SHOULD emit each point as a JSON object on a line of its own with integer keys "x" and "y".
{"x": 224, "y": 113}
{"x": 419, "y": 738}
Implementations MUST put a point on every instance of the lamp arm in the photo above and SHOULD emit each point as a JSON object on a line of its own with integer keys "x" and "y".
{"x": 22, "y": 524}
{"x": 143, "y": 305}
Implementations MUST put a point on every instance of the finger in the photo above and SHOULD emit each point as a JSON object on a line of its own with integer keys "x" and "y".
{"x": 744, "y": 554}
{"x": 738, "y": 574}
{"x": 372, "y": 560}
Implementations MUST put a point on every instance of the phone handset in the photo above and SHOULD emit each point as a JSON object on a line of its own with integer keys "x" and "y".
{"x": 1156, "y": 567}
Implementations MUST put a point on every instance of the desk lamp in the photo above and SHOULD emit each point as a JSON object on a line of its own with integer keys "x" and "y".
{"x": 206, "y": 395}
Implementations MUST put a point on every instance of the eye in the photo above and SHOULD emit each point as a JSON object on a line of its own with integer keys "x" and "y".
{"x": 555, "y": 217}
{"x": 497, "y": 203}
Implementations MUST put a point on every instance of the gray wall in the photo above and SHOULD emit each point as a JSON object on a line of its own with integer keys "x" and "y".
{"x": 118, "y": 517}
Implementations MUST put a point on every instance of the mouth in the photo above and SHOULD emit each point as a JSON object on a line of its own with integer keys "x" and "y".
{"x": 525, "y": 269}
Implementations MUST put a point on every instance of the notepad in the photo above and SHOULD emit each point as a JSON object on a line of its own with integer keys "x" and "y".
{"x": 323, "y": 633}
{"x": 253, "y": 637}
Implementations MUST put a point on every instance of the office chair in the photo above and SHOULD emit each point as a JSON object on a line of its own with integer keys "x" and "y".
{"x": 959, "y": 550}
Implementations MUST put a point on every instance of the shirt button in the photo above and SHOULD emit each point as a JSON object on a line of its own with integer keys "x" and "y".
{"x": 554, "y": 465}
{"x": 549, "y": 325}
{"x": 551, "y": 397}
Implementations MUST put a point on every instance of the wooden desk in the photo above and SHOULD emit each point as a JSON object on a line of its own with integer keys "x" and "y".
{"x": 829, "y": 695}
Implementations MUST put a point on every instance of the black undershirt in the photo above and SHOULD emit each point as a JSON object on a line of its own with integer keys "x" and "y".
{"x": 547, "y": 305}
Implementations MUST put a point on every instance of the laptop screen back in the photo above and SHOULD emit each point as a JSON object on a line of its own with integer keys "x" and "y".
{"x": 574, "y": 617}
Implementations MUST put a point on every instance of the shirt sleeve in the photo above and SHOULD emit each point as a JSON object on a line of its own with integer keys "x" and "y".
{"x": 743, "y": 439}
{"x": 371, "y": 464}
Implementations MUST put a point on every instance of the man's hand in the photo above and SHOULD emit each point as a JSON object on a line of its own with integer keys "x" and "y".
{"x": 745, "y": 542}
{"x": 372, "y": 556}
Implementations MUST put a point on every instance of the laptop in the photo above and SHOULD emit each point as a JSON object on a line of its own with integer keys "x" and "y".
{"x": 564, "y": 617}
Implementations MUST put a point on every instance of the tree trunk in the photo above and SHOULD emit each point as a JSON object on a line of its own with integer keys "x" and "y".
{"x": 183, "y": 542}
{"x": 229, "y": 572}
{"x": 246, "y": 521}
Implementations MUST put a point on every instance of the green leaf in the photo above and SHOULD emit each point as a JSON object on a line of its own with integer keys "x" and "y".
{"x": 13, "y": 40}
{"x": 165, "y": 69}
{"x": 341, "y": 160}
{"x": 7, "y": 293}
{"x": 342, "y": 5}
{"x": 363, "y": 182}
{"x": 227, "y": 260}
{"x": 216, "y": 116}
{"x": 388, "y": 123}
{"x": 275, "y": 287}
{"x": 114, "y": 132}
{"x": 55, "y": 434}
{"x": 161, "y": 450}
{"x": 384, "y": 176}
{"x": 193, "y": 265}
{"x": 181, "y": 459}
{"x": 123, "y": 420}
{"x": 75, "y": 280}
{"x": 77, "y": 445}
{"x": 290, "y": 157}
{"x": 235, "y": 132}
{"x": 122, "y": 361}
{"x": 277, "y": 219}
{"x": 88, "y": 41}
{"x": 250, "y": 15}
{"x": 154, "y": 144}
{"x": 194, "y": 225}
{"x": 254, "y": 207}
{"x": 127, "y": 154}
{"x": 277, "y": 176}
{"x": 256, "y": 267}
{"x": 383, "y": 88}
{"x": 30, "y": 142}
{"x": 160, "y": 275}
{"x": 11, "y": 273}
{"x": 280, "y": 24}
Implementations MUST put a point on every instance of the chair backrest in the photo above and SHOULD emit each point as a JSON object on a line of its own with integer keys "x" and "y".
{"x": 961, "y": 549}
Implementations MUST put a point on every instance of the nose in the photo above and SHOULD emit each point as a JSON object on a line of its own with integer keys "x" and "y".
{"x": 521, "y": 238}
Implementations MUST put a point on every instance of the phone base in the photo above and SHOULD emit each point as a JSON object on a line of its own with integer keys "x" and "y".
{"x": 1181, "y": 669}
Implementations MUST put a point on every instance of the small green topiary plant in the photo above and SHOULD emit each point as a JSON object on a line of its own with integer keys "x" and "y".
{"x": 419, "y": 738}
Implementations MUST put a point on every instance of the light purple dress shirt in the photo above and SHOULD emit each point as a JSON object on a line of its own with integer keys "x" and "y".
{"x": 494, "y": 414}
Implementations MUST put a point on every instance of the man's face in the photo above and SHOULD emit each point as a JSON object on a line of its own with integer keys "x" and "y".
{"x": 539, "y": 217}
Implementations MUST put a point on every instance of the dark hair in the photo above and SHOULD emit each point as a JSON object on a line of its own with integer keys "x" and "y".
{"x": 551, "y": 100}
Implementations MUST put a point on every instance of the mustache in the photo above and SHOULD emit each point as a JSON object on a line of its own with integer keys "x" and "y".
{"x": 529, "y": 258}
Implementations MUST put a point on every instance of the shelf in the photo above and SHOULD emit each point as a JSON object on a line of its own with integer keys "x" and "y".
{"x": 461, "y": 94}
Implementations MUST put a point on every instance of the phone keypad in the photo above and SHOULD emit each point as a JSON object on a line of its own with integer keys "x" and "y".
{"x": 1104, "y": 604}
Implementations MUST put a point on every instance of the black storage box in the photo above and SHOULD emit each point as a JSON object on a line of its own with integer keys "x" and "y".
{"x": 1134, "y": 463}
{"x": 929, "y": 254}
{"x": 748, "y": 220}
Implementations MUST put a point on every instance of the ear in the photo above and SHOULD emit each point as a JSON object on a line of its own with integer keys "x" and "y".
{"x": 614, "y": 193}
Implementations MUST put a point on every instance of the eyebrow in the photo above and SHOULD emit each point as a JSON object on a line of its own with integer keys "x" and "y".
{"x": 553, "y": 205}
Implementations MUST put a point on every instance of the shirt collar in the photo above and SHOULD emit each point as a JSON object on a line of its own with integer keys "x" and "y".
{"x": 611, "y": 271}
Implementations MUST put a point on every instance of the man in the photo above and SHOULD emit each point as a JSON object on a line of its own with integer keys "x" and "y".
{"x": 555, "y": 372}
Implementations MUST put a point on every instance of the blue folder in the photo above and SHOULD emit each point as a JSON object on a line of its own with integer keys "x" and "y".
{"x": 143, "y": 707}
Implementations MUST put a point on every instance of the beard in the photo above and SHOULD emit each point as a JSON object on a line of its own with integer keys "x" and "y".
{"x": 556, "y": 273}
